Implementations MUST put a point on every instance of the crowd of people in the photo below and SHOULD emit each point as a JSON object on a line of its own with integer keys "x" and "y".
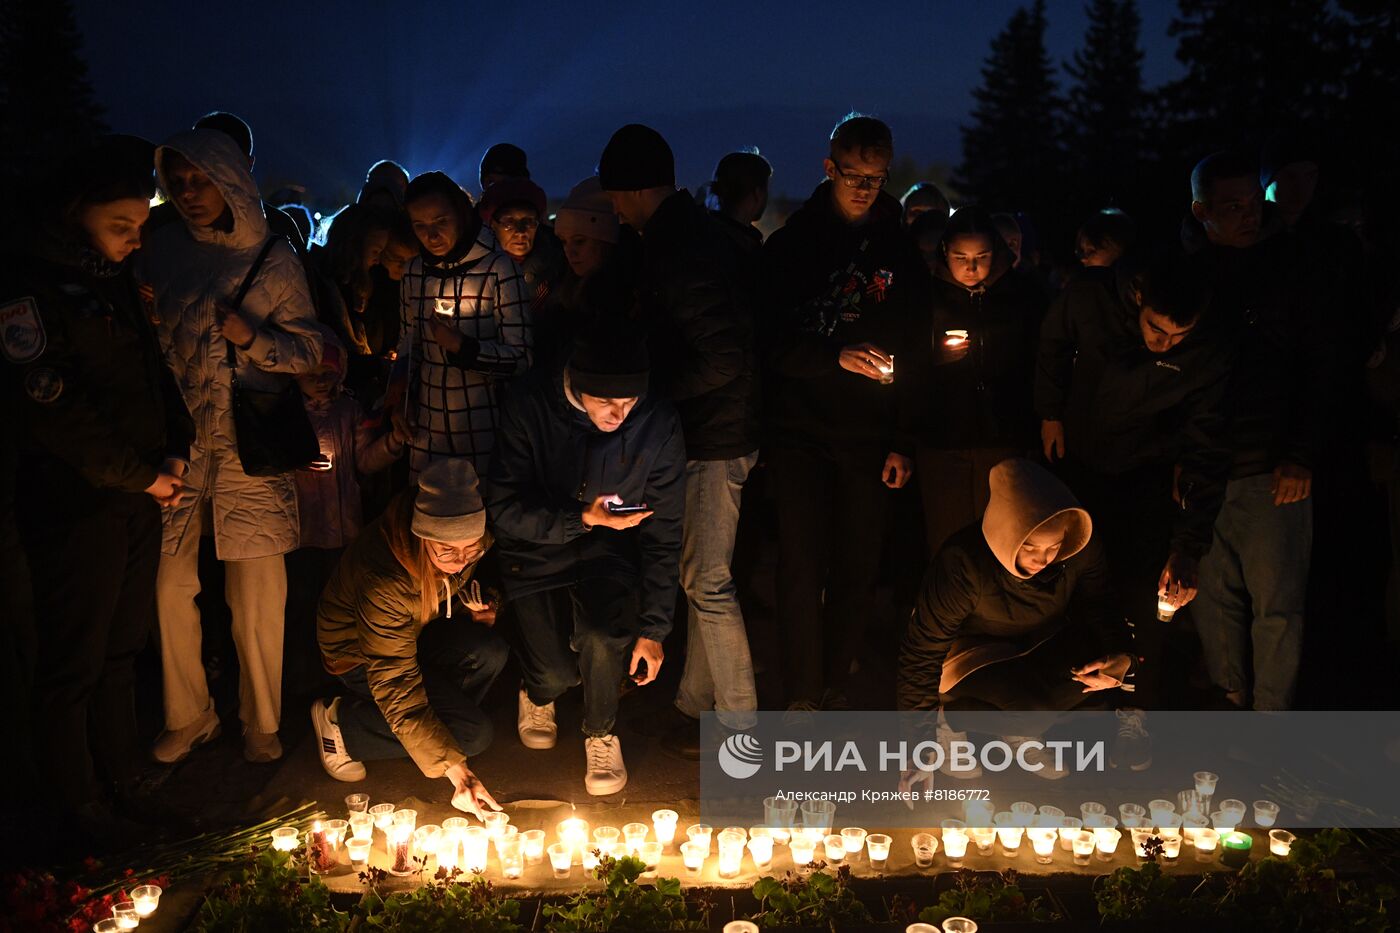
{"x": 458, "y": 432}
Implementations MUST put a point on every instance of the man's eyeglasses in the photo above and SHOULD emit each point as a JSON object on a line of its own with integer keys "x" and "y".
{"x": 519, "y": 225}
{"x": 854, "y": 180}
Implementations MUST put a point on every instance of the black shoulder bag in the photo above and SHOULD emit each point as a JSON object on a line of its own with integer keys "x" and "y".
{"x": 274, "y": 435}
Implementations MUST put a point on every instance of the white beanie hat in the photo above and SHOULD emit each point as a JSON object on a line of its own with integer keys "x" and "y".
{"x": 588, "y": 210}
{"x": 449, "y": 506}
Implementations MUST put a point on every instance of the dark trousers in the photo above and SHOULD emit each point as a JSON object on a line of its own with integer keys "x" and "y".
{"x": 1133, "y": 514}
{"x": 831, "y": 522}
{"x": 308, "y": 570}
{"x": 581, "y": 633}
{"x": 955, "y": 488}
{"x": 459, "y": 659}
{"x": 94, "y": 576}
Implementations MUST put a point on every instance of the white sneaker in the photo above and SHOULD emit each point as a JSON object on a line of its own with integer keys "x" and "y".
{"x": 1036, "y": 756}
{"x": 606, "y": 772}
{"x": 945, "y": 734}
{"x": 329, "y": 742}
{"x": 535, "y": 723}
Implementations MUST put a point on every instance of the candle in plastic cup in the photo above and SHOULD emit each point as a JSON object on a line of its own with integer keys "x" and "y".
{"x": 664, "y": 823}
{"x": 1205, "y": 783}
{"x": 1069, "y": 827}
{"x": 1265, "y": 813}
{"x": 761, "y": 850}
{"x": 426, "y": 839}
{"x": 445, "y": 306}
{"x": 1234, "y": 806}
{"x": 887, "y": 372}
{"x": 589, "y": 857}
{"x": 357, "y": 803}
{"x": 699, "y": 833}
{"x": 978, "y": 812}
{"x": 731, "y": 853}
{"x": 146, "y": 897}
{"x": 406, "y": 817}
{"x": 1103, "y": 825}
{"x": 1159, "y": 810}
{"x": 1022, "y": 812}
{"x": 1091, "y": 809}
{"x": 983, "y": 836}
{"x": 1140, "y": 836}
{"x": 634, "y": 834}
{"x": 924, "y": 846}
{"x": 818, "y": 814}
{"x": 952, "y": 339}
{"x": 1224, "y": 821}
{"x": 561, "y": 859}
{"x": 693, "y": 855}
{"x": 1106, "y": 841}
{"x": 878, "y": 846}
{"x": 1235, "y": 848}
{"x": 359, "y": 852}
{"x": 1169, "y": 826}
{"x": 383, "y": 814}
{"x": 106, "y": 925}
{"x": 284, "y": 838}
{"x": 335, "y": 832}
{"x": 853, "y": 838}
{"x": 650, "y": 853}
{"x": 959, "y": 925}
{"x": 1206, "y": 841}
{"x": 495, "y": 823}
{"x": 361, "y": 826}
{"x": 1130, "y": 815}
{"x": 510, "y": 850}
{"x": 126, "y": 916}
{"x": 1165, "y": 609}
{"x": 573, "y": 832}
{"x": 1010, "y": 838}
{"x": 1083, "y": 845}
{"x": 475, "y": 842}
{"x": 1053, "y": 814}
{"x": 780, "y": 813}
{"x": 1280, "y": 842}
{"x": 835, "y": 848}
{"x": 401, "y": 850}
{"x": 1043, "y": 843}
{"x": 954, "y": 846}
{"x": 921, "y": 928}
{"x": 740, "y": 926}
{"x": 532, "y": 844}
{"x": 1171, "y": 846}
{"x": 802, "y": 849}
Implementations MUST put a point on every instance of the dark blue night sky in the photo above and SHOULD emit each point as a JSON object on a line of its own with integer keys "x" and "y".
{"x": 330, "y": 87}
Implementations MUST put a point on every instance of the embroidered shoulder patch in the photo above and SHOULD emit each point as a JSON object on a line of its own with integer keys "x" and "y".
{"x": 22, "y": 337}
{"x": 43, "y": 385}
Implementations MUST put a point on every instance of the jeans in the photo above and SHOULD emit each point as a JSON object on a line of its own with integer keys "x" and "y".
{"x": 1254, "y": 585}
{"x": 582, "y": 632}
{"x": 458, "y": 660}
{"x": 831, "y": 524}
{"x": 718, "y": 670}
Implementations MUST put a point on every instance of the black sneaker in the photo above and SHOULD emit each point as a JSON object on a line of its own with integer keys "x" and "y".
{"x": 1132, "y": 746}
{"x": 683, "y": 741}
{"x": 654, "y": 723}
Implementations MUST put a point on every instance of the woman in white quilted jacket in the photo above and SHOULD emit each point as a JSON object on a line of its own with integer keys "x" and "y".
{"x": 467, "y": 326}
{"x": 195, "y": 270}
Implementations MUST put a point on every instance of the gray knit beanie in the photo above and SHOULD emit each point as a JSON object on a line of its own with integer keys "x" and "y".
{"x": 449, "y": 506}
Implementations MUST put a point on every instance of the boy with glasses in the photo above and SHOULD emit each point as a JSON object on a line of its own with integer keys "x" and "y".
{"x": 842, "y": 285}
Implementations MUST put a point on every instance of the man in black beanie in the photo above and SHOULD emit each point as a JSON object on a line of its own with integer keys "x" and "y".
{"x": 586, "y": 492}
{"x": 502, "y": 161}
{"x": 697, "y": 316}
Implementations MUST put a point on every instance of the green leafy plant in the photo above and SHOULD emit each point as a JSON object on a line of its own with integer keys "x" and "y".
{"x": 444, "y": 904}
{"x": 623, "y": 904}
{"x": 817, "y": 899}
{"x": 268, "y": 895}
{"x": 986, "y": 898}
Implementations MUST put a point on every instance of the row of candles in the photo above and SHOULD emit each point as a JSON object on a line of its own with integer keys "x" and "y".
{"x": 128, "y": 914}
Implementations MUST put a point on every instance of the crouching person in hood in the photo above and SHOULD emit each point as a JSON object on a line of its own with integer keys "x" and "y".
{"x": 1016, "y": 612}
{"x": 587, "y": 494}
{"x": 414, "y": 675}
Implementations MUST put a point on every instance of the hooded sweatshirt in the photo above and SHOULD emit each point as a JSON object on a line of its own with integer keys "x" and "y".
{"x": 829, "y": 285}
{"x": 193, "y": 270}
{"x": 977, "y": 606}
{"x": 480, "y": 291}
{"x": 1125, "y": 407}
{"x": 980, "y": 398}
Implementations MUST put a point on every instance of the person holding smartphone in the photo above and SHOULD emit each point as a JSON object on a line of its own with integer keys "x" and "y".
{"x": 586, "y": 494}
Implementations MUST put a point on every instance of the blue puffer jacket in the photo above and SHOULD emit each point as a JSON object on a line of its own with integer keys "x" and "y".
{"x": 550, "y": 462}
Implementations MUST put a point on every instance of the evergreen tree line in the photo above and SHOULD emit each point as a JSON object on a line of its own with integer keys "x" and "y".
{"x": 1328, "y": 69}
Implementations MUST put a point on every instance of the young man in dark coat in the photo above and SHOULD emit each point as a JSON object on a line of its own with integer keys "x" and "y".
{"x": 1268, "y": 299}
{"x": 103, "y": 439}
{"x": 700, "y": 333}
{"x": 842, "y": 284}
{"x": 586, "y": 494}
{"x": 1129, "y": 385}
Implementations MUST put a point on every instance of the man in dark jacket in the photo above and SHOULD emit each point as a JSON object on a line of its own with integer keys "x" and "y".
{"x": 842, "y": 286}
{"x": 1129, "y": 383}
{"x": 103, "y": 439}
{"x": 1254, "y": 578}
{"x": 701, "y": 340}
{"x": 586, "y": 494}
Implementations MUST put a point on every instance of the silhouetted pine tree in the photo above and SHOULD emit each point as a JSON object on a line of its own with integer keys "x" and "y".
{"x": 1011, "y": 154}
{"x": 1104, "y": 126}
{"x": 46, "y": 100}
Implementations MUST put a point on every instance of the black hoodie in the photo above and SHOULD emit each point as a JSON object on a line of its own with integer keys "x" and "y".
{"x": 829, "y": 285}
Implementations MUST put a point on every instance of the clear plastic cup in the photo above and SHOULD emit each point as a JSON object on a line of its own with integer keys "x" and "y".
{"x": 731, "y": 853}
{"x": 925, "y": 845}
{"x": 700, "y": 834}
{"x": 985, "y": 837}
{"x": 1265, "y": 813}
{"x": 959, "y": 925}
{"x": 510, "y": 850}
{"x": 1281, "y": 842}
{"x": 1158, "y": 810}
{"x": 835, "y": 848}
{"x": 475, "y": 843}
{"x": 1131, "y": 815}
{"x": 1091, "y": 809}
{"x": 146, "y": 897}
{"x": 532, "y": 844}
{"x": 878, "y": 847}
{"x": 1023, "y": 812}
{"x": 1043, "y": 844}
{"x": 359, "y": 852}
{"x": 954, "y": 846}
{"x": 495, "y": 822}
{"x": 1010, "y": 839}
{"x": 1207, "y": 841}
{"x": 1069, "y": 827}
{"x": 633, "y": 835}
{"x": 693, "y": 855}
{"x": 853, "y": 838}
{"x": 126, "y": 916}
{"x": 818, "y": 814}
{"x": 802, "y": 849}
{"x": 1106, "y": 841}
{"x": 561, "y": 859}
{"x": 1083, "y": 845}
{"x": 1205, "y": 783}
{"x": 761, "y": 850}
{"x": 285, "y": 839}
{"x": 357, "y": 803}
{"x": 664, "y": 823}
